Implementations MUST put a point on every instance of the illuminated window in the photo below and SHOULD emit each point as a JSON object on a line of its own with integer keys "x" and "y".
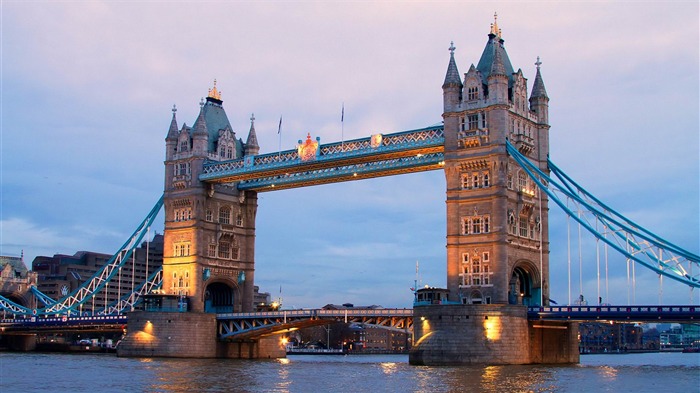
{"x": 522, "y": 181}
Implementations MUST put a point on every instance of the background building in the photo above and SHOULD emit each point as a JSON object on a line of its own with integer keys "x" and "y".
{"x": 61, "y": 275}
{"x": 15, "y": 279}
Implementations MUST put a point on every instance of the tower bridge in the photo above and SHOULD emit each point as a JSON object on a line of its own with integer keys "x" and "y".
{"x": 493, "y": 147}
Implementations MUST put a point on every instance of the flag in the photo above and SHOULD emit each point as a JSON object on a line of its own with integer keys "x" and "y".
{"x": 279, "y": 128}
{"x": 342, "y": 113}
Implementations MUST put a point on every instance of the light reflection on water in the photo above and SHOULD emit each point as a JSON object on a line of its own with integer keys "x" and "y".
{"x": 32, "y": 372}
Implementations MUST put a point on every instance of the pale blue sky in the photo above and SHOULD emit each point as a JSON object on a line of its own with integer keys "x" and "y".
{"x": 87, "y": 89}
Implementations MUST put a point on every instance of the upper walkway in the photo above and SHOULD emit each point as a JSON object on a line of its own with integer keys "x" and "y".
{"x": 312, "y": 163}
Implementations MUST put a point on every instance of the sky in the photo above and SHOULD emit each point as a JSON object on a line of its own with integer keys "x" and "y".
{"x": 88, "y": 86}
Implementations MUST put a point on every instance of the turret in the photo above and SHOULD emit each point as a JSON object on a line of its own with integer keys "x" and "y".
{"x": 498, "y": 80}
{"x": 539, "y": 102}
{"x": 452, "y": 87}
{"x": 251, "y": 145}
{"x": 171, "y": 138}
{"x": 200, "y": 135}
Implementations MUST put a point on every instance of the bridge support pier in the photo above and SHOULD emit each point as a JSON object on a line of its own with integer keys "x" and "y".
{"x": 20, "y": 342}
{"x": 488, "y": 334}
{"x": 188, "y": 335}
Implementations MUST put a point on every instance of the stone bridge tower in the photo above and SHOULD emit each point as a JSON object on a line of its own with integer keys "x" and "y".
{"x": 209, "y": 240}
{"x": 497, "y": 227}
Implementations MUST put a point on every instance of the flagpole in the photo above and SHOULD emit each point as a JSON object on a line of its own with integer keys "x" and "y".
{"x": 342, "y": 128}
{"x": 279, "y": 133}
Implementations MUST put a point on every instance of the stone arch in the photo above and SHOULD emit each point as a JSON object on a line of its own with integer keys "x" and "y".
{"x": 476, "y": 297}
{"x": 20, "y": 298}
{"x": 221, "y": 296}
{"x": 524, "y": 286}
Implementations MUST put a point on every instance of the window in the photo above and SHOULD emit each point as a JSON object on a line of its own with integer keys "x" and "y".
{"x": 184, "y": 145}
{"x": 209, "y": 215}
{"x": 239, "y": 219}
{"x": 224, "y": 250}
{"x": 510, "y": 181}
{"x": 183, "y": 214}
{"x": 212, "y": 251}
{"x": 465, "y": 181}
{"x": 483, "y": 120}
{"x": 473, "y": 93}
{"x": 461, "y": 124}
{"x": 475, "y": 225}
{"x": 224, "y": 215}
{"x": 475, "y": 180}
{"x": 476, "y": 271}
{"x": 523, "y": 226}
{"x": 512, "y": 226}
{"x": 522, "y": 181}
{"x": 181, "y": 249}
{"x": 473, "y": 122}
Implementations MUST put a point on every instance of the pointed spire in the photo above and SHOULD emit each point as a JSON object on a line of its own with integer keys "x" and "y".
{"x": 251, "y": 144}
{"x": 497, "y": 67}
{"x": 495, "y": 31}
{"x": 538, "y": 89}
{"x": 172, "y": 132}
{"x": 452, "y": 78}
{"x": 200, "y": 125}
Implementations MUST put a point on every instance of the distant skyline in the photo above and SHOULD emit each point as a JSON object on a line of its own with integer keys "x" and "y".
{"x": 88, "y": 87}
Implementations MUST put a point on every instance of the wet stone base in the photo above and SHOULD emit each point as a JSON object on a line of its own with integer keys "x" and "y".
{"x": 488, "y": 334}
{"x": 188, "y": 335}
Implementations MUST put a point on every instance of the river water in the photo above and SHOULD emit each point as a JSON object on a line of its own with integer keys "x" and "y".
{"x": 40, "y": 372}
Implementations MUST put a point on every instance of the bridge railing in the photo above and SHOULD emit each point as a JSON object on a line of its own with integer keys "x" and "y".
{"x": 640, "y": 313}
{"x": 381, "y": 312}
{"x": 64, "y": 321}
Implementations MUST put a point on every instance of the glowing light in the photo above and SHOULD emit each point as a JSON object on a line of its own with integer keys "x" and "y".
{"x": 422, "y": 318}
{"x": 492, "y": 328}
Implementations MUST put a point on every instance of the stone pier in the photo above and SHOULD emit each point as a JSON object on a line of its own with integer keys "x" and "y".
{"x": 189, "y": 335}
{"x": 457, "y": 334}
